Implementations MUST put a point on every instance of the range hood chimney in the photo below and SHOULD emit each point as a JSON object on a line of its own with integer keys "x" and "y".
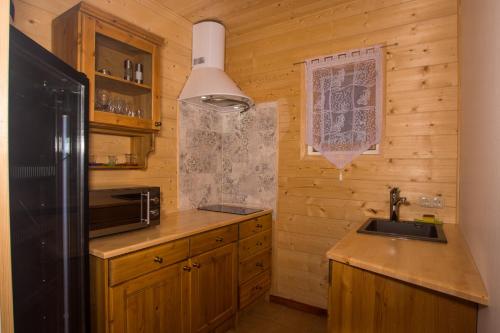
{"x": 208, "y": 83}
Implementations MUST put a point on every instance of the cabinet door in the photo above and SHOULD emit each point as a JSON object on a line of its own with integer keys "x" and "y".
{"x": 155, "y": 302}
{"x": 86, "y": 56}
{"x": 213, "y": 288}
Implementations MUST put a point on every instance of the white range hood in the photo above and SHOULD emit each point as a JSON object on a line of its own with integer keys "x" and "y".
{"x": 208, "y": 83}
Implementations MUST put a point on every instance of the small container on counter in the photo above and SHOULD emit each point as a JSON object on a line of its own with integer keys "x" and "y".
{"x": 127, "y": 70}
{"x": 139, "y": 73}
{"x": 105, "y": 71}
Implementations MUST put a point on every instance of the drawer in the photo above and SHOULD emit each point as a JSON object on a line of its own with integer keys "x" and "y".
{"x": 213, "y": 239}
{"x": 254, "y": 265}
{"x": 254, "y": 288}
{"x": 257, "y": 243}
{"x": 141, "y": 262}
{"x": 256, "y": 225}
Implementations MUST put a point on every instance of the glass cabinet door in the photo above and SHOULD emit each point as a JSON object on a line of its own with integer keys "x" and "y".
{"x": 124, "y": 97}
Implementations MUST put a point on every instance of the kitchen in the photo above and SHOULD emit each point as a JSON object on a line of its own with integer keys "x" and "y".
{"x": 437, "y": 82}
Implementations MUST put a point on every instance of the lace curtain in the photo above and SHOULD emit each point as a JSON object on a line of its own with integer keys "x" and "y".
{"x": 344, "y": 103}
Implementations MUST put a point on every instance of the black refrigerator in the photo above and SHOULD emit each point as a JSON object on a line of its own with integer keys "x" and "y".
{"x": 48, "y": 140}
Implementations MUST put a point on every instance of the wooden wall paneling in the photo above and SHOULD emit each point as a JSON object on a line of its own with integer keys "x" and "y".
{"x": 349, "y": 10}
{"x": 6, "y": 306}
{"x": 427, "y": 28}
{"x": 381, "y": 169}
{"x": 241, "y": 16}
{"x": 428, "y": 146}
{"x": 34, "y": 18}
{"x": 418, "y": 150}
{"x": 363, "y": 190}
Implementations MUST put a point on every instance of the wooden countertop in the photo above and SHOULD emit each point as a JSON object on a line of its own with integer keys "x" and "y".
{"x": 172, "y": 226}
{"x": 447, "y": 268}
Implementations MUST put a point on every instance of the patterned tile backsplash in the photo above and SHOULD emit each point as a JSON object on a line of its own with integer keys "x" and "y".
{"x": 227, "y": 157}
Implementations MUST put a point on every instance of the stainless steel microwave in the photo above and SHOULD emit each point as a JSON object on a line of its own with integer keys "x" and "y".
{"x": 118, "y": 210}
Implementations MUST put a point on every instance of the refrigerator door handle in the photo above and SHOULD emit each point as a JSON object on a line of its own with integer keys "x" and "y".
{"x": 65, "y": 157}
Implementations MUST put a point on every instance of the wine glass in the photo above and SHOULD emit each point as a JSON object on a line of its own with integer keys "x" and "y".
{"x": 112, "y": 105}
{"x": 129, "y": 110}
{"x": 120, "y": 106}
{"x": 139, "y": 113}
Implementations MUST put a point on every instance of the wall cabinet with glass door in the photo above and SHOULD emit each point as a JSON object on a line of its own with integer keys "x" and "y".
{"x": 122, "y": 63}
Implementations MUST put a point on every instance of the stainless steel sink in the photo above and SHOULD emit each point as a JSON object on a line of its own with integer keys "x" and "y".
{"x": 404, "y": 229}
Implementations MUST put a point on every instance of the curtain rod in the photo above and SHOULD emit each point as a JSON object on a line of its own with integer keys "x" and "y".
{"x": 368, "y": 48}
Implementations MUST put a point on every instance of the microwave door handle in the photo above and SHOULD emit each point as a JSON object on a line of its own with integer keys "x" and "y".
{"x": 146, "y": 220}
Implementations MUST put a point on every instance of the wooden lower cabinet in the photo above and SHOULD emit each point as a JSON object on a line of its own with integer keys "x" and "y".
{"x": 251, "y": 291}
{"x": 213, "y": 288}
{"x": 362, "y": 301}
{"x": 188, "y": 285}
{"x": 255, "y": 256}
{"x": 192, "y": 296}
{"x": 155, "y": 302}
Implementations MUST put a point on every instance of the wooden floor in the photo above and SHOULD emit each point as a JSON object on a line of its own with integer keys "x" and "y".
{"x": 265, "y": 317}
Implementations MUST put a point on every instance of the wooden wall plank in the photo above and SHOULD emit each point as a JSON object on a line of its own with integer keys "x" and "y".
{"x": 262, "y": 58}
{"x": 365, "y": 190}
{"x": 427, "y": 100}
{"x": 378, "y": 168}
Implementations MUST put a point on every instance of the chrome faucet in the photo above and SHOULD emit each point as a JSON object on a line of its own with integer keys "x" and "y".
{"x": 395, "y": 202}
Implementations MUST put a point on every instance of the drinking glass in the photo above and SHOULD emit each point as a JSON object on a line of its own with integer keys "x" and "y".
{"x": 139, "y": 113}
{"x": 112, "y": 105}
{"x": 112, "y": 160}
{"x": 131, "y": 159}
{"x": 120, "y": 106}
{"x": 102, "y": 99}
{"x": 129, "y": 109}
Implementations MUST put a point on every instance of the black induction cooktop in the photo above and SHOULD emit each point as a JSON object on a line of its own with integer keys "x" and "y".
{"x": 230, "y": 209}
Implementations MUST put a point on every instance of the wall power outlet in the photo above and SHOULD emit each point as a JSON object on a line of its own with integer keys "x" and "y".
{"x": 431, "y": 202}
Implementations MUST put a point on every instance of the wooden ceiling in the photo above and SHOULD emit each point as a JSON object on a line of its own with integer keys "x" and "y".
{"x": 240, "y": 16}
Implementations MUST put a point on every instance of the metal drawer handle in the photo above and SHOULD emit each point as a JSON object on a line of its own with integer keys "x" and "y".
{"x": 259, "y": 264}
{"x": 219, "y": 239}
{"x": 257, "y": 288}
{"x": 158, "y": 260}
{"x": 258, "y": 243}
{"x": 196, "y": 265}
{"x": 258, "y": 225}
{"x": 187, "y": 268}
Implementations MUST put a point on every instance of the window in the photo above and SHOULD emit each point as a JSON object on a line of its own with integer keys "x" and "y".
{"x": 344, "y": 104}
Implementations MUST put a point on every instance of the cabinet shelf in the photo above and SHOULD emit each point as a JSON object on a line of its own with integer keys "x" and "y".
{"x": 115, "y": 167}
{"x": 113, "y": 119}
{"x": 111, "y": 141}
{"x": 109, "y": 82}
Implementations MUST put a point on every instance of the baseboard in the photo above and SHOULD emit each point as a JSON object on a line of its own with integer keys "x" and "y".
{"x": 298, "y": 305}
